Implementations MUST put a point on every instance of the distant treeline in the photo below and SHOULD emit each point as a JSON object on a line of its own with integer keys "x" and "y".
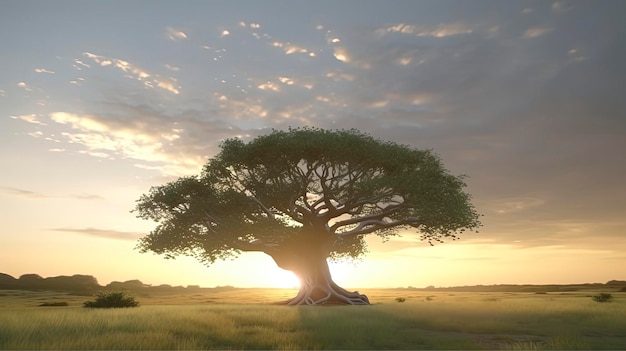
{"x": 85, "y": 284}
{"x": 618, "y": 285}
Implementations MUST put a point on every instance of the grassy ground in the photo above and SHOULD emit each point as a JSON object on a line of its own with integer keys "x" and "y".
{"x": 247, "y": 319}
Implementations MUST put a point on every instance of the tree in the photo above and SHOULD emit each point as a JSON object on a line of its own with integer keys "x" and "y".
{"x": 302, "y": 196}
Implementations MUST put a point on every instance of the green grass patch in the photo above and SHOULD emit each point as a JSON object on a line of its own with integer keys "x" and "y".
{"x": 512, "y": 321}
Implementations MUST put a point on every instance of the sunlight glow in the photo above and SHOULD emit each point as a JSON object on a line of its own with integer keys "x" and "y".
{"x": 281, "y": 278}
{"x": 341, "y": 271}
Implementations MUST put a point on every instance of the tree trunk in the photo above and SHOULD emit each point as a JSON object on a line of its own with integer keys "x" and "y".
{"x": 318, "y": 288}
{"x": 308, "y": 263}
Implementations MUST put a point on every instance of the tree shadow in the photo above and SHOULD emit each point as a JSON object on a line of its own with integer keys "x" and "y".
{"x": 372, "y": 328}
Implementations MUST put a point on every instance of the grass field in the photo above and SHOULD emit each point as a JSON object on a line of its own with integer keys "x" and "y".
{"x": 248, "y": 319}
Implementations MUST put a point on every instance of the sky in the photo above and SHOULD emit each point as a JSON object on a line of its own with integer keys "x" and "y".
{"x": 100, "y": 100}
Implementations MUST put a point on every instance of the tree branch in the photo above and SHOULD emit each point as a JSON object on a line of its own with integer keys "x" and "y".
{"x": 269, "y": 213}
{"x": 347, "y": 208}
{"x": 326, "y": 191}
{"x": 255, "y": 245}
{"x": 385, "y": 212}
{"x": 370, "y": 226}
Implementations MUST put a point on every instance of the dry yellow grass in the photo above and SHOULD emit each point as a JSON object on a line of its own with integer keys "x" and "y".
{"x": 249, "y": 319}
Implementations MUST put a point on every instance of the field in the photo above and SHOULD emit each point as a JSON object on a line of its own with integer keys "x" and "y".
{"x": 250, "y": 319}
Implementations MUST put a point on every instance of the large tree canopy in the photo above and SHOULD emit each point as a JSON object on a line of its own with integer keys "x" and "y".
{"x": 302, "y": 196}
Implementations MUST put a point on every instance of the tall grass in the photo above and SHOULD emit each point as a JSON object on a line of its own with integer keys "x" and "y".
{"x": 444, "y": 321}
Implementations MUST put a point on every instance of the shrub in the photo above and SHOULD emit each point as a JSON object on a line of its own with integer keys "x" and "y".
{"x": 112, "y": 299}
{"x": 400, "y": 299}
{"x": 603, "y": 297}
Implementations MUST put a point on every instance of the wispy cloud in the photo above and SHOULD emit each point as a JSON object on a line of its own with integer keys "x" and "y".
{"x": 24, "y": 86}
{"x": 535, "y": 32}
{"x": 125, "y": 66}
{"x": 290, "y": 49}
{"x": 43, "y": 70}
{"x": 576, "y": 56}
{"x": 342, "y": 54}
{"x": 250, "y": 25}
{"x": 39, "y": 195}
{"x": 135, "y": 72}
{"x": 172, "y": 67}
{"x": 516, "y": 204}
{"x": 175, "y": 34}
{"x": 103, "y": 138}
{"x": 269, "y": 86}
{"x": 440, "y": 31}
{"x": 101, "y": 233}
{"x": 79, "y": 64}
{"x": 148, "y": 138}
{"x": 23, "y": 192}
{"x": 31, "y": 118}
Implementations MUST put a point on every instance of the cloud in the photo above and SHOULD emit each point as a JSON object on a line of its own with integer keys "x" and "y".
{"x": 536, "y": 32}
{"x": 102, "y": 233}
{"x": 77, "y": 81}
{"x": 576, "y": 55}
{"x": 135, "y": 72}
{"x": 103, "y": 138}
{"x": 269, "y": 86}
{"x": 516, "y": 204}
{"x": 24, "y": 86}
{"x": 440, "y": 31}
{"x": 79, "y": 65}
{"x": 43, "y": 70}
{"x": 339, "y": 76}
{"x": 169, "y": 85}
{"x": 286, "y": 80}
{"x": 251, "y": 25}
{"x": 560, "y": 6}
{"x": 36, "y": 134}
{"x": 172, "y": 67}
{"x": 31, "y": 118}
{"x": 23, "y": 193}
{"x": 341, "y": 54}
{"x": 175, "y": 34}
{"x": 174, "y": 145}
{"x": 38, "y": 195}
{"x": 289, "y": 48}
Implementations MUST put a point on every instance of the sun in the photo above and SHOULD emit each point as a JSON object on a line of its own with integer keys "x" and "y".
{"x": 281, "y": 278}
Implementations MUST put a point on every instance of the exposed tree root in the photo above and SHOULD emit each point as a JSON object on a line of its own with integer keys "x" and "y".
{"x": 307, "y": 259}
{"x": 327, "y": 294}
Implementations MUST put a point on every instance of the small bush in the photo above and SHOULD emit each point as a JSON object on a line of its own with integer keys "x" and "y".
{"x": 400, "y": 299}
{"x": 112, "y": 299}
{"x": 603, "y": 297}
